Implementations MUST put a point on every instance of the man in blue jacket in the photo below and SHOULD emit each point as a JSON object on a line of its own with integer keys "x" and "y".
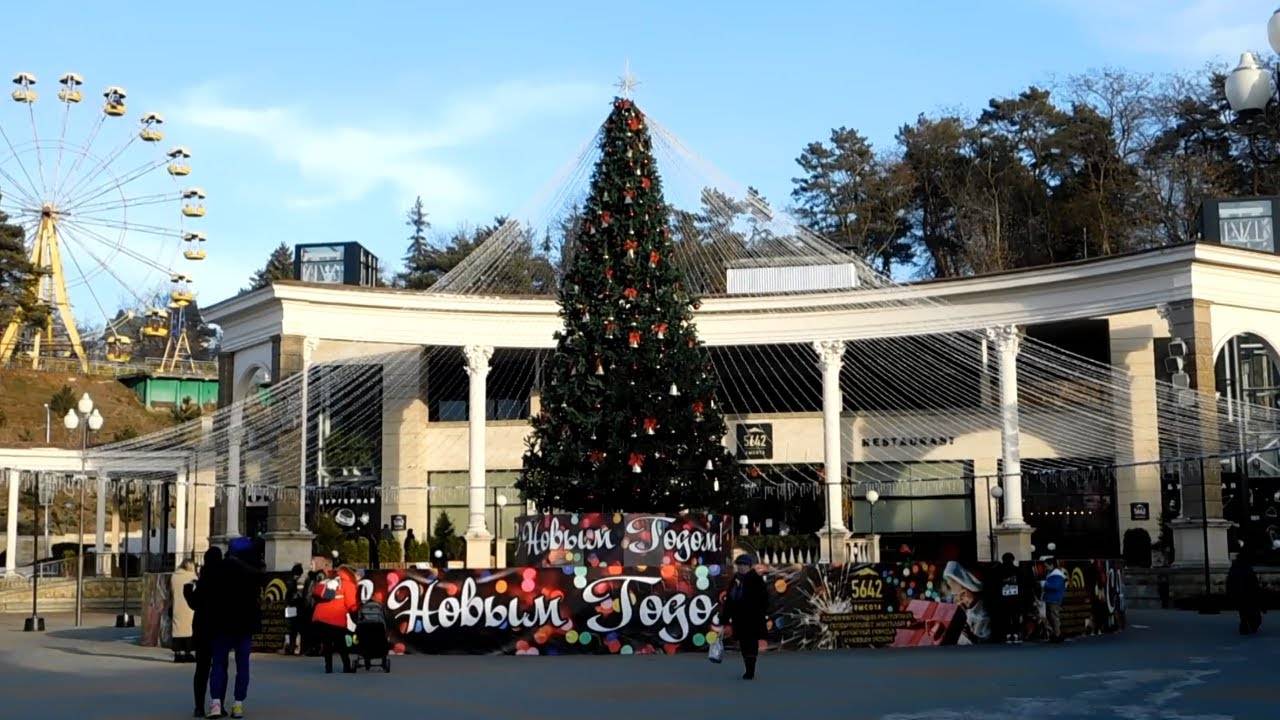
{"x": 1055, "y": 588}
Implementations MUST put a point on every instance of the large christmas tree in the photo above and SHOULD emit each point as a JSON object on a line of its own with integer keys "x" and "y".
{"x": 629, "y": 417}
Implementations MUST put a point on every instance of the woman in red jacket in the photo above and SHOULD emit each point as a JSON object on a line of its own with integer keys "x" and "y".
{"x": 335, "y": 601}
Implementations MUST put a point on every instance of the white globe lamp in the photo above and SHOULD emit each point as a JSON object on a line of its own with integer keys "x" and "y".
{"x": 1249, "y": 87}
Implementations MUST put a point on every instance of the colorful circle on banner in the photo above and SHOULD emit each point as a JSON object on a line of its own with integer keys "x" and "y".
{"x": 712, "y": 636}
{"x": 626, "y": 650}
{"x": 579, "y": 582}
{"x": 699, "y": 640}
{"x": 780, "y": 586}
{"x": 392, "y": 579}
{"x": 571, "y": 637}
{"x": 500, "y": 586}
{"x": 668, "y": 572}
{"x": 527, "y": 586}
{"x": 702, "y": 583}
{"x": 529, "y": 573}
{"x": 777, "y": 622}
{"x": 715, "y": 571}
{"x": 574, "y": 518}
{"x": 701, "y": 571}
{"x": 567, "y": 569}
{"x": 617, "y": 518}
{"x": 584, "y": 638}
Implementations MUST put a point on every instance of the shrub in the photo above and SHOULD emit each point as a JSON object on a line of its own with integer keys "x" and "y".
{"x": 388, "y": 551}
{"x": 1137, "y": 548}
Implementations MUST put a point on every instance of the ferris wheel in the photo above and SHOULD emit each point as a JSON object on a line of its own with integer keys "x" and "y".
{"x": 107, "y": 210}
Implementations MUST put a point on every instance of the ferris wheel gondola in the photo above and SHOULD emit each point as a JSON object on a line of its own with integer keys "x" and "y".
{"x": 89, "y": 221}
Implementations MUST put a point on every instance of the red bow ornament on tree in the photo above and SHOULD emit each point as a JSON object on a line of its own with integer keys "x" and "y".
{"x": 631, "y": 246}
{"x": 650, "y": 424}
{"x": 636, "y": 461}
{"x": 633, "y": 338}
{"x": 660, "y": 329}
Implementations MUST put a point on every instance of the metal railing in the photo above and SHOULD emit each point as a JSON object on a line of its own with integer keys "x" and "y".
{"x": 204, "y": 369}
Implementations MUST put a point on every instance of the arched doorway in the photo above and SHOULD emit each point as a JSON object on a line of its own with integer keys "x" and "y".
{"x": 1247, "y": 377}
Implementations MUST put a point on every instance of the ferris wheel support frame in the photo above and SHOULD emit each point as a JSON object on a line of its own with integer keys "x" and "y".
{"x": 46, "y": 256}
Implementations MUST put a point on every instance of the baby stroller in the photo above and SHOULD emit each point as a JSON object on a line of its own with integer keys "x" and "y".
{"x": 371, "y": 637}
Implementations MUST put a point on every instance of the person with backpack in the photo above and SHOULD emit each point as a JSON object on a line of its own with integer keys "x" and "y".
{"x": 1055, "y": 589}
{"x": 1008, "y": 601}
{"x": 233, "y": 594}
{"x": 336, "y": 598}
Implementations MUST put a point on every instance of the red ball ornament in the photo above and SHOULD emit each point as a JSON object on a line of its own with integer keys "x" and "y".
{"x": 645, "y": 183}
{"x": 634, "y": 122}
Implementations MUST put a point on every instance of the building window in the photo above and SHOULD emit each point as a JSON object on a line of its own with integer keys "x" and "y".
{"x": 926, "y": 507}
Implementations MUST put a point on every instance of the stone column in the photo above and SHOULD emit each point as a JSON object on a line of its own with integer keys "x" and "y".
{"x": 1201, "y": 490}
{"x": 404, "y": 431}
{"x": 1013, "y": 534}
{"x": 478, "y": 536}
{"x": 287, "y": 540}
{"x": 180, "y": 516}
{"x": 11, "y": 524}
{"x": 235, "y": 437}
{"x": 833, "y": 535}
{"x": 100, "y": 524}
{"x": 1137, "y": 441}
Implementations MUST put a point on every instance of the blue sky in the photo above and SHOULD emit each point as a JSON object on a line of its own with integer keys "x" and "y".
{"x": 312, "y": 122}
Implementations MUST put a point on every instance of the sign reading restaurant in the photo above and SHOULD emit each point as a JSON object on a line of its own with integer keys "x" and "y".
{"x": 909, "y": 441}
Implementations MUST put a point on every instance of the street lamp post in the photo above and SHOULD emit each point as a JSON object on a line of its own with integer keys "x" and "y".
{"x": 124, "y": 619}
{"x": 873, "y": 496}
{"x": 996, "y": 492}
{"x": 87, "y": 418}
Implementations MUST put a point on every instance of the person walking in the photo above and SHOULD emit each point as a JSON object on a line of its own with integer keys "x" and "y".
{"x": 201, "y": 629}
{"x": 236, "y": 590}
{"x": 745, "y": 608}
{"x": 1244, "y": 592}
{"x": 335, "y": 601}
{"x": 1055, "y": 589}
{"x": 183, "y": 614}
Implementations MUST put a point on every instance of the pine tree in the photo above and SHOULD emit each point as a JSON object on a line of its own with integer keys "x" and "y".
{"x": 630, "y": 420}
{"x": 279, "y": 267}
{"x": 17, "y": 277}
{"x": 416, "y": 218}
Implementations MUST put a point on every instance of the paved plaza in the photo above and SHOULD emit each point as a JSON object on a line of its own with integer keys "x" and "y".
{"x": 1169, "y": 665}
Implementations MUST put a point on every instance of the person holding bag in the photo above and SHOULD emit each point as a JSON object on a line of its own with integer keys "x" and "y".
{"x": 746, "y": 607}
{"x": 336, "y": 598}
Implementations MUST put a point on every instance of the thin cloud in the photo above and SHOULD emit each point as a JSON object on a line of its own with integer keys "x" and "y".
{"x": 345, "y": 163}
{"x": 1195, "y": 30}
